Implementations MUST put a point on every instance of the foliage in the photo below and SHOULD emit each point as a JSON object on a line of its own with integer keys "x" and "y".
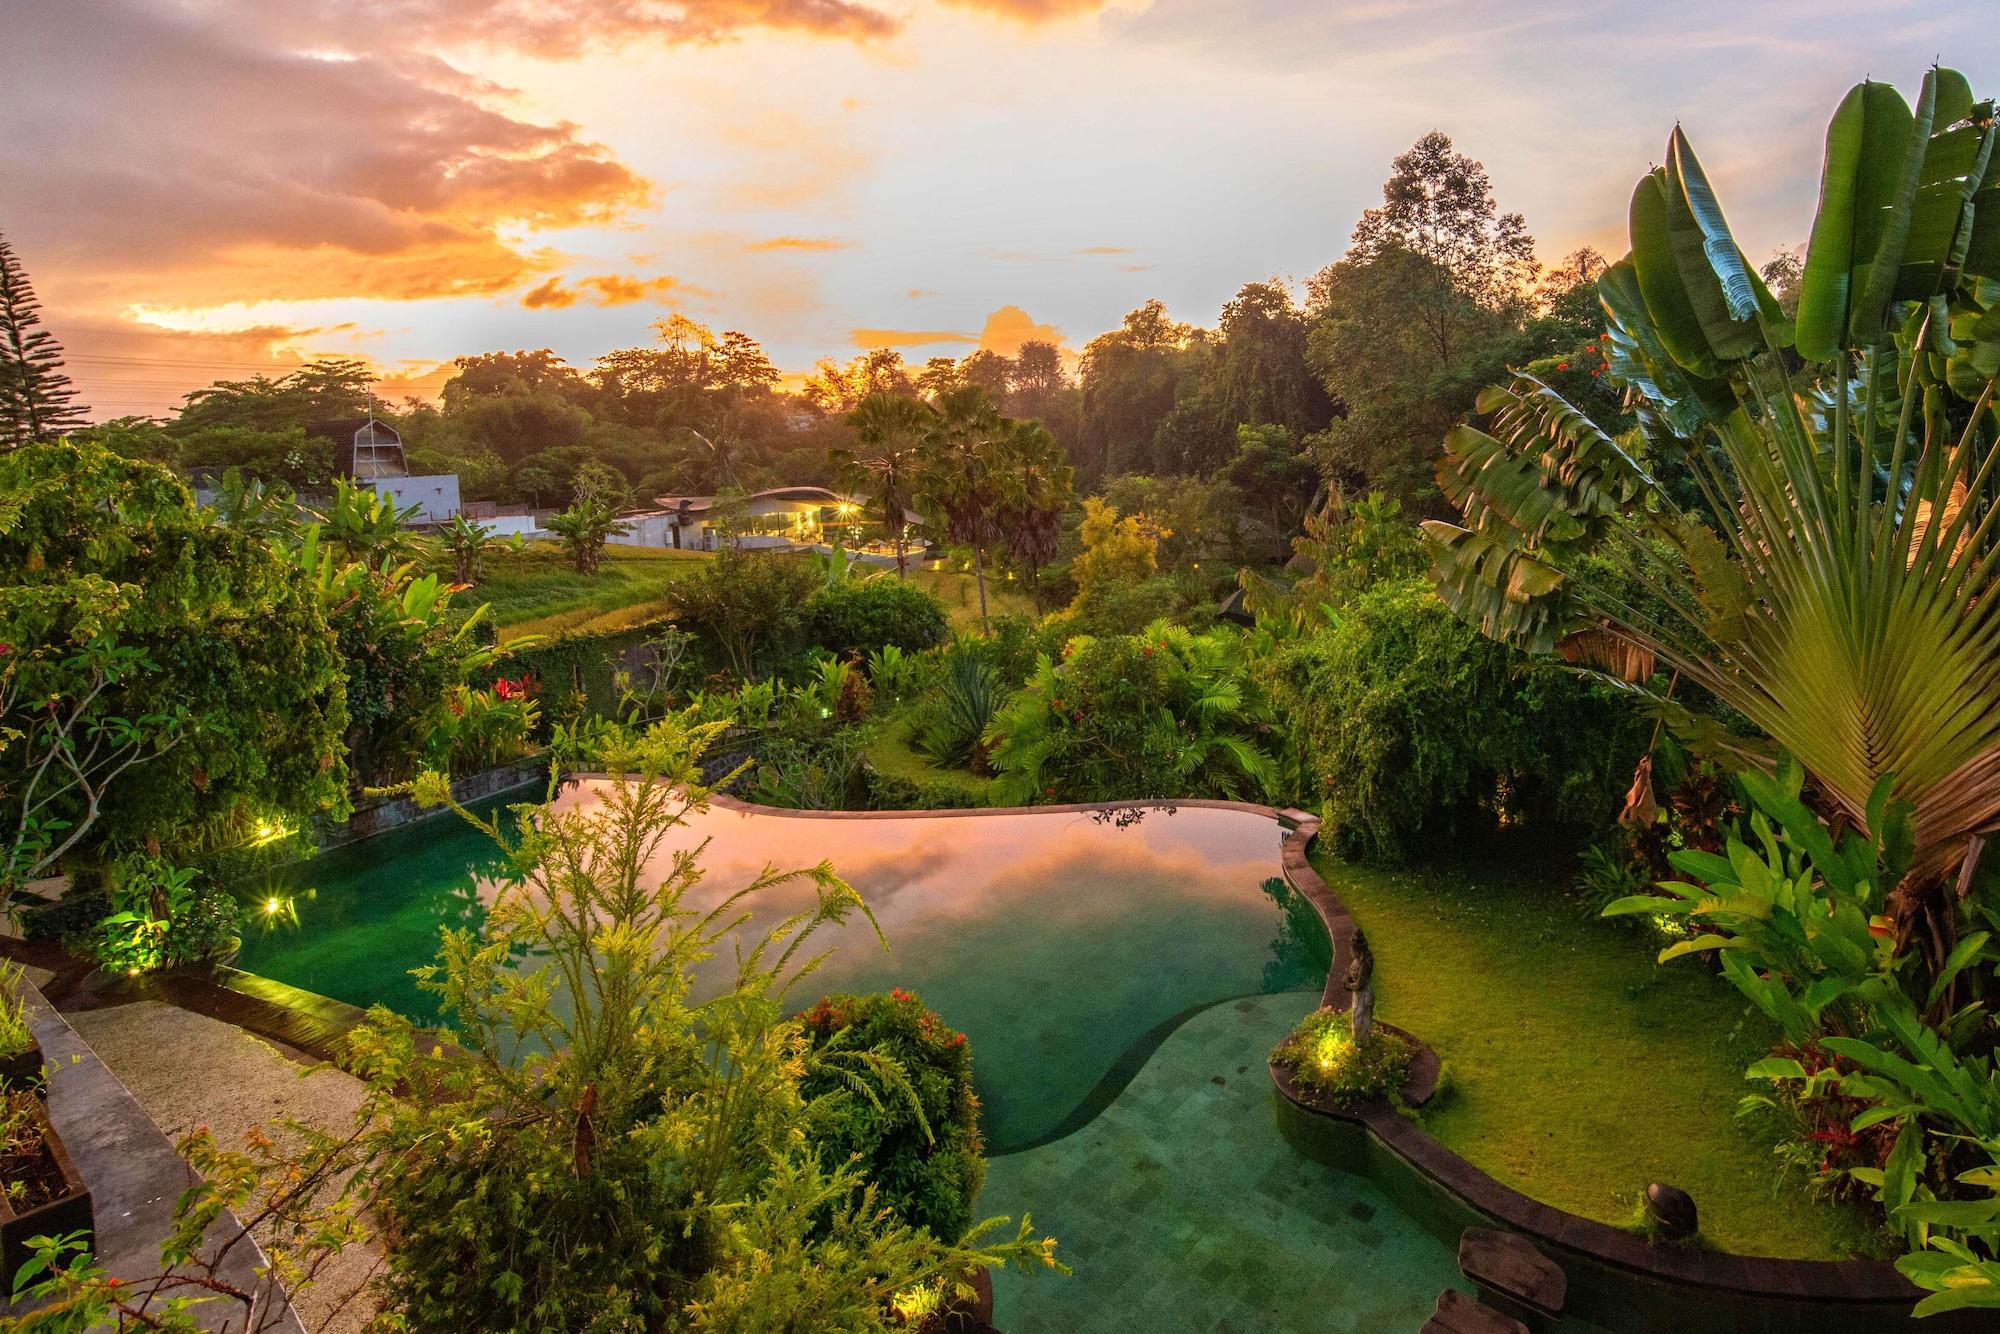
{"x": 467, "y": 543}
{"x": 623, "y": 1158}
{"x": 751, "y": 604}
{"x": 365, "y": 527}
{"x": 886, "y": 469}
{"x": 162, "y": 916}
{"x": 923, "y": 1152}
{"x": 1411, "y": 728}
{"x": 816, "y": 773}
{"x": 1163, "y": 713}
{"x": 1800, "y": 925}
{"x": 1844, "y": 527}
{"x": 952, "y": 721}
{"x": 303, "y": 1203}
{"x": 15, "y": 1035}
{"x": 37, "y": 401}
{"x": 483, "y": 727}
{"x": 193, "y": 649}
{"x": 407, "y": 652}
{"x": 865, "y": 616}
{"x": 1323, "y": 1058}
{"x": 584, "y": 528}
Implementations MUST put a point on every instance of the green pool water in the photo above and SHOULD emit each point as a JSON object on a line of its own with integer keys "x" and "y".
{"x": 1067, "y": 945}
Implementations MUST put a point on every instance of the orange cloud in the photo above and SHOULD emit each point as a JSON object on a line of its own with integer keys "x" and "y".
{"x": 293, "y": 176}
{"x": 1009, "y": 327}
{"x": 1105, "y": 250}
{"x": 609, "y": 289}
{"x": 866, "y": 339}
{"x": 1032, "y": 11}
{"x": 807, "y": 243}
{"x": 561, "y": 29}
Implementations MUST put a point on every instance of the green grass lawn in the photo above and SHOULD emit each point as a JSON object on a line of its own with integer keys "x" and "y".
{"x": 959, "y": 592}
{"x": 539, "y": 591}
{"x": 892, "y": 754}
{"x": 1578, "y": 1069}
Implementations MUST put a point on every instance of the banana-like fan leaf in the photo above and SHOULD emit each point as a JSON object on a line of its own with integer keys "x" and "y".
{"x": 1509, "y": 593}
{"x": 1638, "y": 359}
{"x": 1955, "y": 163}
{"x": 1882, "y": 235}
{"x": 1748, "y": 303}
{"x": 1865, "y": 145}
{"x": 1668, "y": 306}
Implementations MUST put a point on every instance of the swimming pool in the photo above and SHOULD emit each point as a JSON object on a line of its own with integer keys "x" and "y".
{"x": 1067, "y": 944}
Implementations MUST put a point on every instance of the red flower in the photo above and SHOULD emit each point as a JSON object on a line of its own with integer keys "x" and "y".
{"x": 1562, "y": 365}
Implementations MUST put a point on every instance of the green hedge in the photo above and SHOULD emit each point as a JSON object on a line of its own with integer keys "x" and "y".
{"x": 1410, "y": 728}
{"x": 862, "y": 616}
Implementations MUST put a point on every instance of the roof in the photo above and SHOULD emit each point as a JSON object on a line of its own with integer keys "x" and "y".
{"x": 342, "y": 430}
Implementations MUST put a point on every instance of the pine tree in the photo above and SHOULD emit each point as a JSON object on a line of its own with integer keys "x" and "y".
{"x": 37, "y": 401}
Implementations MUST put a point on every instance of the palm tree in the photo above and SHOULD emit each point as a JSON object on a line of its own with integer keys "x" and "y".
{"x": 891, "y": 429}
{"x": 1837, "y": 582}
{"x": 961, "y": 490}
{"x": 1035, "y": 487}
{"x": 467, "y": 542}
{"x": 584, "y": 529}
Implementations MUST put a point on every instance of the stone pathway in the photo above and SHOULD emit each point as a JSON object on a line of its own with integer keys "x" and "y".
{"x": 188, "y": 1070}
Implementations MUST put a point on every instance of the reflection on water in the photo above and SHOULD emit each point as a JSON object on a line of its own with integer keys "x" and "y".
{"x": 1055, "y": 939}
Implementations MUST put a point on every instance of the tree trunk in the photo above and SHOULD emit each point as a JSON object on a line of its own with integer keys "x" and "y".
{"x": 979, "y": 573}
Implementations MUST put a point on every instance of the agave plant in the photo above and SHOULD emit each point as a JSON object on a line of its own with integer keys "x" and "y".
{"x": 1837, "y": 579}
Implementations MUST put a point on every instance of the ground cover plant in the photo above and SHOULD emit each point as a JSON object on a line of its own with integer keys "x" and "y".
{"x": 1325, "y": 1061}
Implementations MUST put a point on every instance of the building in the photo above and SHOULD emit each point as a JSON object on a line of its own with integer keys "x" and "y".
{"x": 785, "y": 516}
{"x": 370, "y": 453}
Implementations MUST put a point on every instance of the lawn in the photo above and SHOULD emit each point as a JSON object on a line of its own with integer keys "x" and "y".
{"x": 959, "y": 592}
{"x": 539, "y": 591}
{"x": 1578, "y": 1069}
{"x": 892, "y": 755}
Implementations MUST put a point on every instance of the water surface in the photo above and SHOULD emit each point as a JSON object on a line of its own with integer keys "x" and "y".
{"x": 1065, "y": 944}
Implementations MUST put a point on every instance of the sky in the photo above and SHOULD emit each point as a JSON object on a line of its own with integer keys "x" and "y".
{"x": 210, "y": 188}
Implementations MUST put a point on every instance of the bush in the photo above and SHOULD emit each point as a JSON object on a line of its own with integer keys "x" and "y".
{"x": 1322, "y": 1058}
{"x": 750, "y": 605}
{"x": 862, "y": 616}
{"x": 950, "y": 721}
{"x": 1410, "y": 728}
{"x": 1165, "y": 713}
{"x": 921, "y": 1147}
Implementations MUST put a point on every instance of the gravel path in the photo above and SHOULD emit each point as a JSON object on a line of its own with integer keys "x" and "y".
{"x": 188, "y": 1070}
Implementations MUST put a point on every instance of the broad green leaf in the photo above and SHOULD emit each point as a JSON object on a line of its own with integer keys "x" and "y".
{"x": 1886, "y": 202}
{"x": 1667, "y": 304}
{"x": 1776, "y": 1067}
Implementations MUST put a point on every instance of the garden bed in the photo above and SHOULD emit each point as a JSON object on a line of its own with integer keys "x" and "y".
{"x": 1577, "y": 1071}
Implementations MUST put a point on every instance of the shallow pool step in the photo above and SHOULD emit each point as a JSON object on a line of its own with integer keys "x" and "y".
{"x": 1512, "y": 1274}
{"x": 1459, "y": 1314}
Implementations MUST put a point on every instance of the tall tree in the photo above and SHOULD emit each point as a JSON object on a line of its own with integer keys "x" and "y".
{"x": 37, "y": 401}
{"x": 1420, "y": 313}
{"x": 890, "y": 431}
{"x": 961, "y": 490}
{"x": 1034, "y": 492}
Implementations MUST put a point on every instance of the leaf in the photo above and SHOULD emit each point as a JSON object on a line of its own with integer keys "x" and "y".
{"x": 1826, "y": 281}
{"x": 1739, "y": 283}
{"x": 1667, "y": 304}
{"x": 1962, "y": 954}
{"x": 1885, "y": 203}
{"x": 1632, "y": 904}
{"x": 1776, "y": 1067}
{"x": 1701, "y": 944}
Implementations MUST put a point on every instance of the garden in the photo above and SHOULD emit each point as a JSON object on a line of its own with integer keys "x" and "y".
{"x": 1588, "y": 840}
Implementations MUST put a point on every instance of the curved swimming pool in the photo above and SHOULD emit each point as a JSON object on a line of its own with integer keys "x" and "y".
{"x": 1067, "y": 944}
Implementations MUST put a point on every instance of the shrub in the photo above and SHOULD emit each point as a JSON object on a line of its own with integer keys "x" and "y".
{"x": 15, "y": 1035}
{"x": 953, "y": 718}
{"x": 1322, "y": 1058}
{"x": 1165, "y": 713}
{"x": 862, "y": 616}
{"x": 164, "y": 916}
{"x": 921, "y": 1147}
{"x": 1410, "y": 728}
{"x": 751, "y": 605}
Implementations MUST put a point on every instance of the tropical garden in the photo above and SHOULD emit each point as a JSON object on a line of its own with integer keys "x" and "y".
{"x": 1630, "y": 628}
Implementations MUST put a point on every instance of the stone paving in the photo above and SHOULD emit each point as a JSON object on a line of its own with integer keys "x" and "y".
{"x": 1182, "y": 1207}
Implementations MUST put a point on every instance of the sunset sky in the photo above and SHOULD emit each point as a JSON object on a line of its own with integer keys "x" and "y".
{"x": 202, "y": 188}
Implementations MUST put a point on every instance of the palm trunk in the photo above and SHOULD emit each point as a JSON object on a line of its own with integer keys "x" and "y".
{"x": 979, "y": 573}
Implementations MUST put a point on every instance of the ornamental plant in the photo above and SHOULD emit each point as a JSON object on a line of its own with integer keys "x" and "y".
{"x": 614, "y": 1154}
{"x": 1163, "y": 713}
{"x": 919, "y": 1144}
{"x": 1323, "y": 1059}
